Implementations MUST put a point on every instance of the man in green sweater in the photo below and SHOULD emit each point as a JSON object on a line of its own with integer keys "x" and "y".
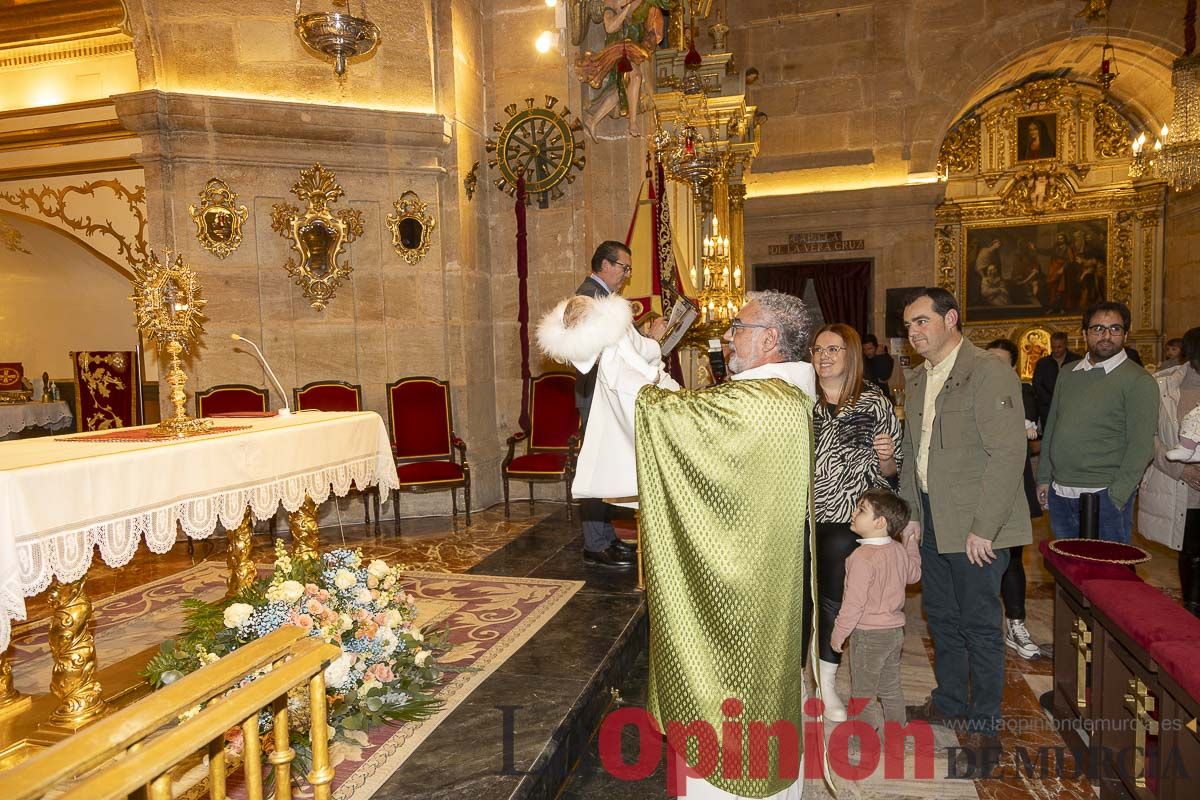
{"x": 1099, "y": 434}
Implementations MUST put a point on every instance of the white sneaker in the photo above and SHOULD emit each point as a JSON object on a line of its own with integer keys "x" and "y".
{"x": 1017, "y": 637}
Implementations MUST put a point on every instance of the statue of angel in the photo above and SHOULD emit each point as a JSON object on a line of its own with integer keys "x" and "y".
{"x": 632, "y": 32}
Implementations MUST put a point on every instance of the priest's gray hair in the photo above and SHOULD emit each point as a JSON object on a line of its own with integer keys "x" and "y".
{"x": 790, "y": 316}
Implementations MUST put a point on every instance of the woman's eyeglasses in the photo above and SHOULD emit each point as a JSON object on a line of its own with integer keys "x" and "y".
{"x": 832, "y": 350}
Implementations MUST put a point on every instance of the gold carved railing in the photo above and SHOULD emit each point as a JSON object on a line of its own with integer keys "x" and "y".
{"x": 136, "y": 759}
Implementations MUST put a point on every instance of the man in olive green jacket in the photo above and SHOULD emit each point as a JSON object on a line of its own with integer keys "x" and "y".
{"x": 965, "y": 427}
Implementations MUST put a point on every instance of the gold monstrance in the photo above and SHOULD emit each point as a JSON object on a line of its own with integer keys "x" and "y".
{"x": 167, "y": 296}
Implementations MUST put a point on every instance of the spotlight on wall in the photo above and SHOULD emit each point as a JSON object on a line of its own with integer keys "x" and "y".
{"x": 545, "y": 41}
{"x": 552, "y": 3}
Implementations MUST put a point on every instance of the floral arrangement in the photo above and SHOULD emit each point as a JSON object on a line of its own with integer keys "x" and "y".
{"x": 387, "y": 667}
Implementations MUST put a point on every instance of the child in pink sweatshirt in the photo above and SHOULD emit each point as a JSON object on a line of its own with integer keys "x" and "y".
{"x": 872, "y": 614}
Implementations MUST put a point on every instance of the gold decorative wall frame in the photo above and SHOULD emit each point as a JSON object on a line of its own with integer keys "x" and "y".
{"x": 317, "y": 235}
{"x": 411, "y": 226}
{"x": 218, "y": 218}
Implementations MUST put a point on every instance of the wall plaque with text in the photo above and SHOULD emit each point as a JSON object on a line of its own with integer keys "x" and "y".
{"x": 819, "y": 242}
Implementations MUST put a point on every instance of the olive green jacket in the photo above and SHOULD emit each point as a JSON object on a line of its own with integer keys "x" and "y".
{"x": 976, "y": 453}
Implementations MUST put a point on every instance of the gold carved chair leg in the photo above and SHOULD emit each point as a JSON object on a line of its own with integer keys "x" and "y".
{"x": 11, "y": 700}
{"x": 73, "y": 677}
{"x": 238, "y": 555}
{"x": 305, "y": 534}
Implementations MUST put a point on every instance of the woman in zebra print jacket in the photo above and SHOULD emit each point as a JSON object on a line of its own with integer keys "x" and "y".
{"x": 857, "y": 435}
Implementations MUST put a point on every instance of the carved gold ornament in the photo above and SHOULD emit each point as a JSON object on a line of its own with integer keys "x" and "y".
{"x": 471, "y": 182}
{"x": 1111, "y": 139}
{"x": 1036, "y": 190}
{"x": 218, "y": 220}
{"x": 960, "y": 148}
{"x": 411, "y": 227}
{"x": 318, "y": 236}
{"x": 129, "y": 234}
{"x": 169, "y": 309}
{"x": 10, "y": 238}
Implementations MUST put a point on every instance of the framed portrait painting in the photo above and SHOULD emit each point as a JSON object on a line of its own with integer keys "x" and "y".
{"x": 1036, "y": 136}
{"x": 1026, "y": 272}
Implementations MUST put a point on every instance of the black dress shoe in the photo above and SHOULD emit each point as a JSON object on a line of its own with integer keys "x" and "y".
{"x": 625, "y": 547}
{"x": 928, "y": 712}
{"x": 608, "y": 557}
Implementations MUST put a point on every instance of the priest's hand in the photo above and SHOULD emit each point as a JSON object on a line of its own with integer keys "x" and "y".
{"x": 979, "y": 550}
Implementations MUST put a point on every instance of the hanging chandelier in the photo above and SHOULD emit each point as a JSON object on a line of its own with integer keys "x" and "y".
{"x": 1175, "y": 155}
{"x": 338, "y": 34}
{"x": 686, "y": 149}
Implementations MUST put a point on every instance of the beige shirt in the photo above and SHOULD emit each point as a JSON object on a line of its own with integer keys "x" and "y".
{"x": 935, "y": 379}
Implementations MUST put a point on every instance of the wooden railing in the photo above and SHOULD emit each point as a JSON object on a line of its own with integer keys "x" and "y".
{"x": 127, "y": 754}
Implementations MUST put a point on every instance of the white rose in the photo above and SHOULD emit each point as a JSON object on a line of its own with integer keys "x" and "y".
{"x": 377, "y": 569}
{"x": 364, "y": 597}
{"x": 416, "y": 634}
{"x": 237, "y": 614}
{"x": 291, "y": 591}
{"x": 422, "y": 657}
{"x": 345, "y": 623}
{"x": 344, "y": 579}
{"x": 392, "y": 618}
{"x": 387, "y": 640}
{"x": 337, "y": 672}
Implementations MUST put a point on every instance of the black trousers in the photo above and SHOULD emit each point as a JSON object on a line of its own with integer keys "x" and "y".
{"x": 1189, "y": 562}
{"x": 835, "y": 543}
{"x": 1012, "y": 584}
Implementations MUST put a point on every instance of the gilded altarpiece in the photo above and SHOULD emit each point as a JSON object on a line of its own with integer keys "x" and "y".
{"x": 1041, "y": 219}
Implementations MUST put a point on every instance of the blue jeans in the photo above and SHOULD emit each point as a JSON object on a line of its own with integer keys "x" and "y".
{"x": 1116, "y": 524}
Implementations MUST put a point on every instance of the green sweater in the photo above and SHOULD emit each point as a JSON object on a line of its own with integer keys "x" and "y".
{"x": 1100, "y": 430}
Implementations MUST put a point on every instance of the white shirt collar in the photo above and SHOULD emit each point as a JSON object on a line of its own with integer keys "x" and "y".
{"x": 1108, "y": 365}
{"x": 947, "y": 363}
{"x": 798, "y": 373}
{"x": 878, "y": 541}
{"x": 594, "y": 277}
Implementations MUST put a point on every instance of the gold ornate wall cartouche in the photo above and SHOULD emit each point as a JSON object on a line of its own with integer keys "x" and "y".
{"x": 10, "y": 237}
{"x": 52, "y": 204}
{"x": 317, "y": 235}
{"x": 411, "y": 227}
{"x": 1036, "y": 190}
{"x": 218, "y": 218}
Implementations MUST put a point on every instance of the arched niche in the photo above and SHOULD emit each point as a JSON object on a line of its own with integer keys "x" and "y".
{"x": 58, "y": 295}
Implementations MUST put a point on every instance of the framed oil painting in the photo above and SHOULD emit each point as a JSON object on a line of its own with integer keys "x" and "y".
{"x": 1027, "y": 272}
{"x": 1036, "y": 137}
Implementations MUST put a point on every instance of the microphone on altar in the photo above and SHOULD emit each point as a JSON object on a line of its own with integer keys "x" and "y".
{"x": 286, "y": 411}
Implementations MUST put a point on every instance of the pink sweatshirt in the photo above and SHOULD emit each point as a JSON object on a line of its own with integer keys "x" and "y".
{"x": 876, "y": 575}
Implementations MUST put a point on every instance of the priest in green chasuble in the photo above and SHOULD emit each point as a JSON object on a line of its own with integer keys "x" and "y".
{"x": 723, "y": 481}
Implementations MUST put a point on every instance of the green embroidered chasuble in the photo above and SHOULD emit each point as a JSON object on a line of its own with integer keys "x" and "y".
{"x": 723, "y": 477}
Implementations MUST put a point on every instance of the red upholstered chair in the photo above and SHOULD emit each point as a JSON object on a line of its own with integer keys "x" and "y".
{"x": 337, "y": 396}
{"x": 552, "y": 441}
{"x": 424, "y": 442}
{"x": 108, "y": 389}
{"x": 231, "y": 398}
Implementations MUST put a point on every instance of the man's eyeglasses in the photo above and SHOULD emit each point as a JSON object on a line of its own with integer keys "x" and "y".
{"x": 738, "y": 325}
{"x": 832, "y": 350}
{"x": 626, "y": 268}
{"x": 1098, "y": 330}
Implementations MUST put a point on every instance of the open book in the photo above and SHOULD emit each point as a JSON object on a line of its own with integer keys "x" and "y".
{"x": 683, "y": 314}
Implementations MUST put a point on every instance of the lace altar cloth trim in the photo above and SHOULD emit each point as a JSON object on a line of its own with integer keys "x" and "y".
{"x": 143, "y": 435}
{"x": 68, "y": 555}
{"x": 18, "y": 417}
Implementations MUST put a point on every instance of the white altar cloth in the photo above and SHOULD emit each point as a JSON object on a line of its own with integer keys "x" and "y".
{"x": 16, "y": 417}
{"x": 61, "y": 499}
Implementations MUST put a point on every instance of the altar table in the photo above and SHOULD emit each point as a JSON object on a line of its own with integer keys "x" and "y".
{"x": 61, "y": 497}
{"x": 16, "y": 417}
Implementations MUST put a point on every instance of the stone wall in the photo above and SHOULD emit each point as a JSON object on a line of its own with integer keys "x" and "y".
{"x": 1181, "y": 306}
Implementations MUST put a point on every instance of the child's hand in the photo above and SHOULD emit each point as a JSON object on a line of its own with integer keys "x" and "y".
{"x": 836, "y": 645}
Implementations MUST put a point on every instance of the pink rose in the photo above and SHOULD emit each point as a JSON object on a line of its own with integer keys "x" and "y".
{"x": 311, "y": 588}
{"x": 313, "y": 607}
{"x": 372, "y": 582}
{"x": 383, "y": 673}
